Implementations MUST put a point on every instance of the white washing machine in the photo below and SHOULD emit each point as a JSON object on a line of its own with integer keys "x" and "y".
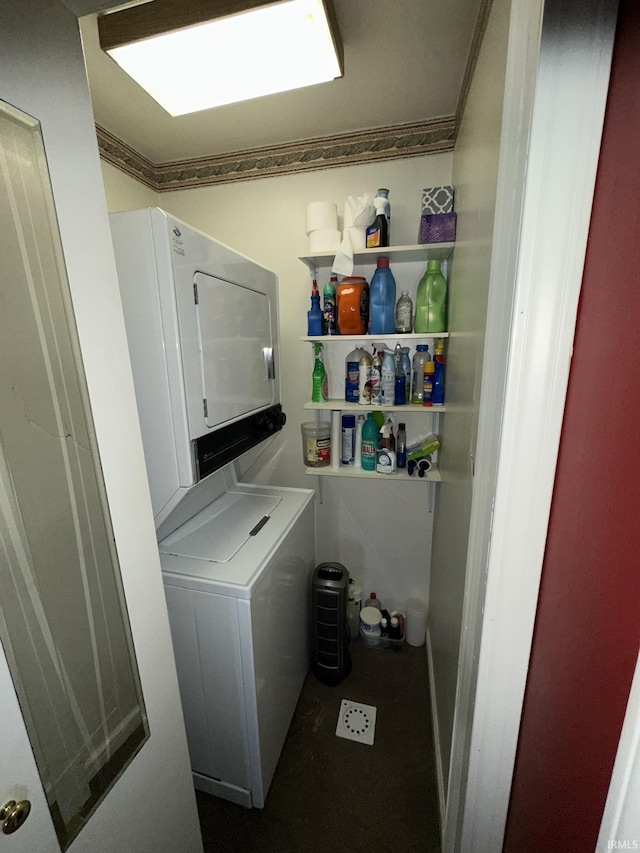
{"x": 237, "y": 578}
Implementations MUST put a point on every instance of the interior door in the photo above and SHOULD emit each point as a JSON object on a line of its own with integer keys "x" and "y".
{"x": 73, "y": 492}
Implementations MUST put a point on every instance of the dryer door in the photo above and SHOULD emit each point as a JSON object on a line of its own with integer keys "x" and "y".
{"x": 236, "y": 349}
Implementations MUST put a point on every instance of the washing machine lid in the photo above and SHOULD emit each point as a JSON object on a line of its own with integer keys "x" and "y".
{"x": 220, "y": 530}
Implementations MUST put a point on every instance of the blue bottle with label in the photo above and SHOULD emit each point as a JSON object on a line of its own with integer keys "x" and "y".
{"x": 382, "y": 300}
{"x": 314, "y": 315}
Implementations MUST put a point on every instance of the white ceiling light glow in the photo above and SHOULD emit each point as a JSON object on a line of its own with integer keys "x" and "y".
{"x": 262, "y": 51}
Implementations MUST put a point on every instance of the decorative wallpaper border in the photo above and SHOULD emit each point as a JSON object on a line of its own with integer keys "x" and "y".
{"x": 387, "y": 143}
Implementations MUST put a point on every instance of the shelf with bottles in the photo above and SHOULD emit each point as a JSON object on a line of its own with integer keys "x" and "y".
{"x": 421, "y": 252}
{"x": 397, "y": 336}
{"x": 430, "y": 476}
{"x": 344, "y": 406}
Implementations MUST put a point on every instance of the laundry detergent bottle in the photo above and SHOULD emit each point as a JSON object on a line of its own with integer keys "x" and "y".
{"x": 431, "y": 301}
{"x": 382, "y": 300}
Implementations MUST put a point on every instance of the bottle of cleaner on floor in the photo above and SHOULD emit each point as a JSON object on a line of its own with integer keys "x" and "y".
{"x": 382, "y": 299}
{"x": 314, "y": 315}
{"x": 369, "y": 444}
{"x": 319, "y": 392}
{"x": 373, "y": 601}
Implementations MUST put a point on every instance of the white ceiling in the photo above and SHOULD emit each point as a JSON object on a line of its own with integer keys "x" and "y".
{"x": 404, "y": 62}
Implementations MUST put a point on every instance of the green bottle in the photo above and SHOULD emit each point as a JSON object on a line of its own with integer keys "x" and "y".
{"x": 431, "y": 301}
{"x": 319, "y": 392}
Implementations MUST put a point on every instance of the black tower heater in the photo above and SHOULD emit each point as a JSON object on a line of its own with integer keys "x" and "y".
{"x": 331, "y": 661}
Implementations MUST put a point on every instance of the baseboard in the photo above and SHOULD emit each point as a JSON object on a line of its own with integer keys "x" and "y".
{"x": 224, "y": 790}
{"x": 442, "y": 798}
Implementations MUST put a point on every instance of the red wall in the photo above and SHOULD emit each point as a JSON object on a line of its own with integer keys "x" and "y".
{"x": 587, "y": 627}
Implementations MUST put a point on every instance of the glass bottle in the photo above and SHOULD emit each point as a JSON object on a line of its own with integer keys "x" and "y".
{"x": 404, "y": 313}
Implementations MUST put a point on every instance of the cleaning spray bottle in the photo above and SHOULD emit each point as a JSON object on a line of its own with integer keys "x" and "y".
{"x": 314, "y": 315}
{"x": 386, "y": 457}
{"x": 319, "y": 392}
{"x": 369, "y": 444}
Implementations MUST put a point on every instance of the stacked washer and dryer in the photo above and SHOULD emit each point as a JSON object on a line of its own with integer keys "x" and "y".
{"x": 237, "y": 559}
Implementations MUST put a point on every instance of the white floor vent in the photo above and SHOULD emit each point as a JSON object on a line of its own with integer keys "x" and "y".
{"x": 356, "y": 722}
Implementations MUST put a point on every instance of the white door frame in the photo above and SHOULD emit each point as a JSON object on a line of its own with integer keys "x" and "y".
{"x": 539, "y": 246}
{"x": 152, "y": 805}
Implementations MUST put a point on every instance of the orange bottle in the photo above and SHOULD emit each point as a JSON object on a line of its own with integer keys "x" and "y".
{"x": 352, "y": 306}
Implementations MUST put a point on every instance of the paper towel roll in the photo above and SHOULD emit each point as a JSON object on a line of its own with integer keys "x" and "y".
{"x": 358, "y": 238}
{"x": 321, "y": 215}
{"x": 324, "y": 240}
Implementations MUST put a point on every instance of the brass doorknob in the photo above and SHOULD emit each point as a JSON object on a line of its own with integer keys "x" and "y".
{"x": 13, "y": 815}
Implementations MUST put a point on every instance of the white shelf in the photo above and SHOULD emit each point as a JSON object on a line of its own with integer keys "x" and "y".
{"x": 399, "y": 336}
{"x": 432, "y": 476}
{"x": 396, "y": 254}
{"x": 343, "y": 405}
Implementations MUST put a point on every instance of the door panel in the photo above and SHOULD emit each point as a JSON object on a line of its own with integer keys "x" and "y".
{"x": 152, "y": 804}
{"x": 64, "y": 626}
{"x": 234, "y": 327}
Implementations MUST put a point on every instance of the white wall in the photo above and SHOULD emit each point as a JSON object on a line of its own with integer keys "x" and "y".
{"x": 380, "y": 531}
{"x": 475, "y": 168}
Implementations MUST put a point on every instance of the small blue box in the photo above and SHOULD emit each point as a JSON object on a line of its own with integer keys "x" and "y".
{"x": 437, "y": 228}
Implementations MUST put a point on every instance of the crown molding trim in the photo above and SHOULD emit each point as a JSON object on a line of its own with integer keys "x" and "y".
{"x": 476, "y": 43}
{"x": 387, "y": 143}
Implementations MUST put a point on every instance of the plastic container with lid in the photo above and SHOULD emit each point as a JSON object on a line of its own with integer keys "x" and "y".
{"x": 370, "y": 618}
{"x": 316, "y": 444}
{"x": 352, "y": 306}
{"x": 382, "y": 299}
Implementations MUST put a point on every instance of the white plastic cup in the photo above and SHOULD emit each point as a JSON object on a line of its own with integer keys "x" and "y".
{"x": 415, "y": 623}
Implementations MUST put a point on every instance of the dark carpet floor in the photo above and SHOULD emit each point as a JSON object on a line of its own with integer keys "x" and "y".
{"x": 331, "y": 794}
